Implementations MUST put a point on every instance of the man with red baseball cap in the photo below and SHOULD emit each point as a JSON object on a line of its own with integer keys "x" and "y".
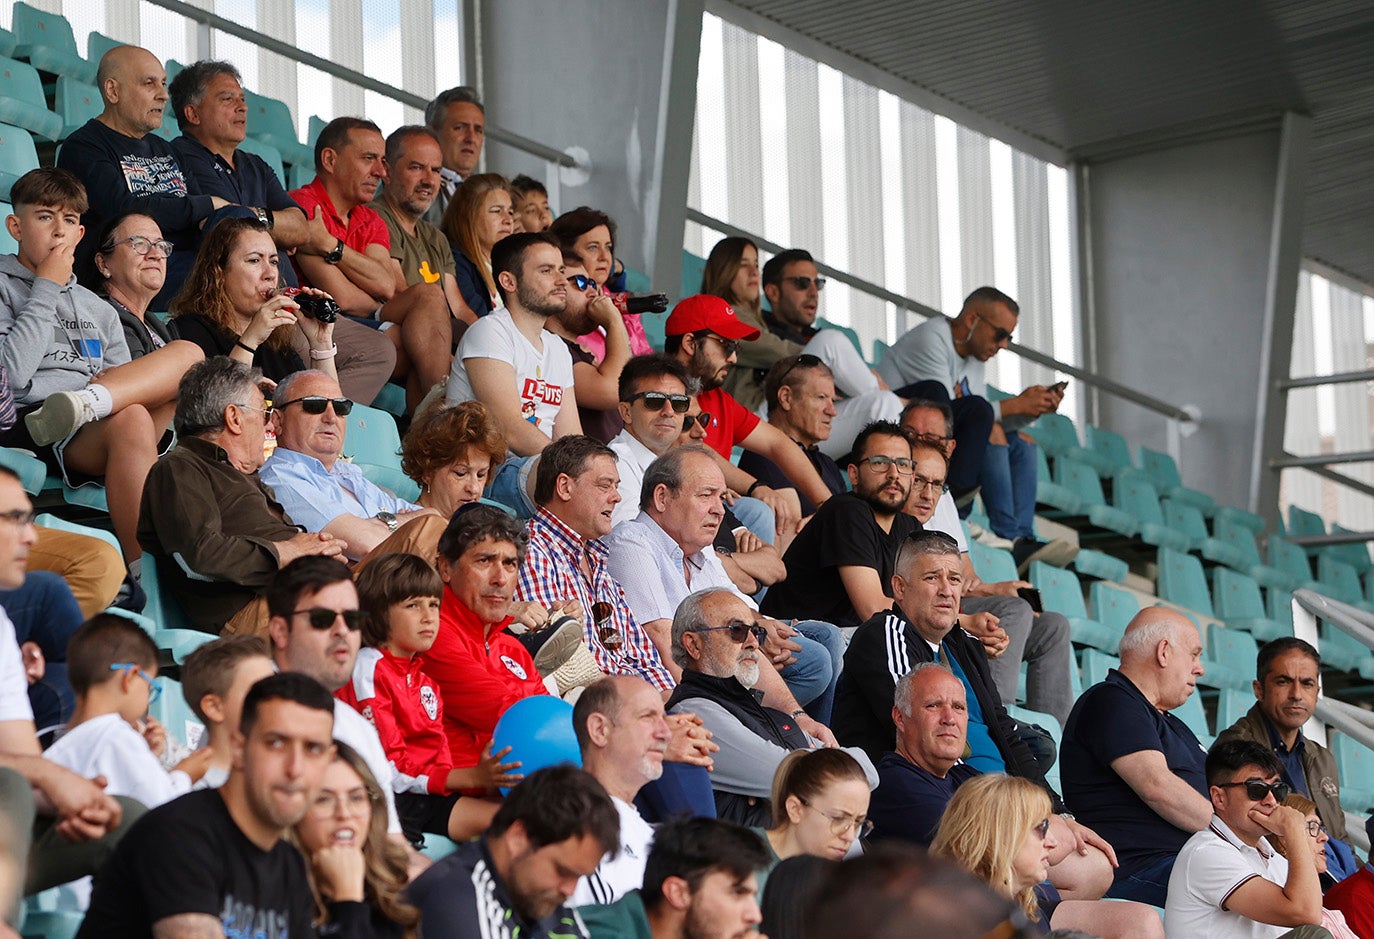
{"x": 703, "y": 333}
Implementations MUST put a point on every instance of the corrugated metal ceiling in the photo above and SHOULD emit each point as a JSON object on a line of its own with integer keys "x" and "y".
{"x": 1082, "y": 75}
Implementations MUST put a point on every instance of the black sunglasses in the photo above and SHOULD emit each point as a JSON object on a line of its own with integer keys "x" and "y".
{"x": 605, "y": 629}
{"x": 315, "y": 404}
{"x": 804, "y": 283}
{"x": 582, "y": 282}
{"x": 655, "y": 400}
{"x": 739, "y": 632}
{"x": 704, "y": 419}
{"x": 1256, "y": 789}
{"x": 805, "y": 360}
{"x": 324, "y": 618}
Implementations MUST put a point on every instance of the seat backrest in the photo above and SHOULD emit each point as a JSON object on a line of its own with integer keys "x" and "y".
{"x": 1079, "y": 479}
{"x": 1239, "y": 537}
{"x": 1161, "y": 468}
{"x": 17, "y": 156}
{"x": 1356, "y": 555}
{"x": 1131, "y": 491}
{"x": 1186, "y": 518}
{"x": 1192, "y": 714}
{"x": 1289, "y": 558}
{"x": 313, "y": 129}
{"x": 1095, "y": 665}
{"x": 97, "y": 44}
{"x": 1235, "y": 649}
{"x": 993, "y": 565}
{"x": 1054, "y": 433}
{"x": 1059, "y": 589}
{"x": 1232, "y": 705}
{"x": 372, "y": 437}
{"x": 1303, "y": 522}
{"x": 269, "y": 154}
{"x": 35, "y": 27}
{"x": 20, "y": 81}
{"x": 1112, "y": 606}
{"x": 1110, "y": 444}
{"x": 1355, "y": 762}
{"x": 269, "y": 117}
{"x": 76, "y": 101}
{"x": 1236, "y": 595}
{"x": 693, "y": 267}
{"x": 1279, "y": 604}
{"x": 1181, "y": 581}
{"x": 1342, "y": 579}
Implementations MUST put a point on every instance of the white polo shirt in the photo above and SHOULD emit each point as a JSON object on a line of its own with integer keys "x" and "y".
{"x": 1210, "y": 867}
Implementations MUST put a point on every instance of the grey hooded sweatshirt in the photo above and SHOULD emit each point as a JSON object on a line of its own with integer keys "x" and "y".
{"x": 53, "y": 338}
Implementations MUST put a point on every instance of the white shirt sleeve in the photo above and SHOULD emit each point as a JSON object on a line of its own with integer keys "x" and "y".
{"x": 353, "y": 729}
{"x": 852, "y": 375}
{"x": 14, "y": 684}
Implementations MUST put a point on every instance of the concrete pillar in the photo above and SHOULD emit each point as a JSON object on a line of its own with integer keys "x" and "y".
{"x": 615, "y": 79}
{"x": 1193, "y": 261}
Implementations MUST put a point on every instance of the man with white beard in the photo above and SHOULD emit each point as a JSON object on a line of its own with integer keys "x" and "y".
{"x": 715, "y": 641}
{"x": 623, "y": 735}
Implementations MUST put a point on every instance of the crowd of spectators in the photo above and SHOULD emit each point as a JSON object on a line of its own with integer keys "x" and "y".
{"x": 784, "y": 677}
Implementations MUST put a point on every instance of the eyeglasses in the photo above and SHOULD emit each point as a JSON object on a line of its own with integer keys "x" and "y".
{"x": 266, "y": 409}
{"x": 315, "y": 404}
{"x": 804, "y": 283}
{"x": 730, "y": 346}
{"x": 933, "y": 439}
{"x": 327, "y": 804}
{"x": 998, "y": 333}
{"x": 140, "y": 246}
{"x": 881, "y": 464}
{"x": 805, "y": 360}
{"x": 606, "y": 630}
{"x": 704, "y": 419}
{"x": 839, "y": 824}
{"x": 19, "y": 518}
{"x": 739, "y": 632}
{"x": 154, "y": 686}
{"x": 582, "y": 282}
{"x": 655, "y": 400}
{"x": 1256, "y": 790}
{"x": 935, "y": 485}
{"x": 1315, "y": 828}
{"x": 1042, "y": 828}
{"x": 324, "y": 618}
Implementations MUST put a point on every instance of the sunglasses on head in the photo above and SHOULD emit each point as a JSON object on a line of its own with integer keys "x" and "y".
{"x": 655, "y": 400}
{"x": 582, "y": 282}
{"x": 321, "y": 617}
{"x": 704, "y": 419}
{"x": 315, "y": 404}
{"x": 805, "y": 360}
{"x": 1256, "y": 790}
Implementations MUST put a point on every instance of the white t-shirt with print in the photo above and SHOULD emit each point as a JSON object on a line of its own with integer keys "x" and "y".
{"x": 541, "y": 375}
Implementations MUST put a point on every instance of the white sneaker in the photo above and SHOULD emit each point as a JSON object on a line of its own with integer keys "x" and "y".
{"x": 62, "y": 414}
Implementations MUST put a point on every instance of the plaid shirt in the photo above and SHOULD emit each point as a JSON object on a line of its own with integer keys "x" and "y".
{"x": 552, "y": 573}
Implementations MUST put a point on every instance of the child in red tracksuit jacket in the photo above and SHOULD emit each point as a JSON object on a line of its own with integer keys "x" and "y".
{"x": 400, "y": 594}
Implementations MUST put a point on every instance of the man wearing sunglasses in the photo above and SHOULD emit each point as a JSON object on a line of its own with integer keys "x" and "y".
{"x": 1131, "y": 768}
{"x": 715, "y": 641}
{"x": 327, "y": 494}
{"x": 1228, "y": 880}
{"x": 704, "y": 334}
{"x": 946, "y": 360}
{"x": 597, "y": 382}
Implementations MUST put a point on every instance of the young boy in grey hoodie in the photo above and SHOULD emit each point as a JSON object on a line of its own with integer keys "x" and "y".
{"x": 87, "y": 408}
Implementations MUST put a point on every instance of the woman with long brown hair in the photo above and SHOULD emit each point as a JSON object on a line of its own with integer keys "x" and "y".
{"x": 479, "y": 215}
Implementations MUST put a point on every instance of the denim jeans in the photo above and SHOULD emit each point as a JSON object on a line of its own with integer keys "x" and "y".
{"x": 822, "y": 653}
{"x": 972, "y": 425}
{"x": 507, "y": 487}
{"x": 44, "y": 611}
{"x": 756, "y": 516}
{"x": 1148, "y": 885}
{"x": 1009, "y": 481}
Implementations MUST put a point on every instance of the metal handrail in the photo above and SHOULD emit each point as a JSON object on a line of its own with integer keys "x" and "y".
{"x": 214, "y": 21}
{"x": 1351, "y": 620}
{"x": 1117, "y": 389}
{"x": 1318, "y": 381}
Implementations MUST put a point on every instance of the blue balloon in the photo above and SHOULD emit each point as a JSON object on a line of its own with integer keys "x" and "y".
{"x": 539, "y": 731}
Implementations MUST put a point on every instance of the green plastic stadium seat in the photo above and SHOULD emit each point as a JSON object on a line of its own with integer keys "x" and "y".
{"x": 372, "y": 437}
{"x": 1279, "y": 603}
{"x": 693, "y": 267}
{"x": 1048, "y": 492}
{"x": 1356, "y": 764}
{"x": 1232, "y": 705}
{"x": 1302, "y": 522}
{"x": 1055, "y": 434}
{"x": 162, "y": 607}
{"x": 47, "y": 520}
{"x": 1237, "y": 600}
{"x": 1061, "y": 592}
{"x": 1232, "y": 658}
{"x": 301, "y": 175}
{"x": 89, "y": 495}
{"x": 1095, "y": 665}
{"x": 97, "y": 44}
{"x": 1339, "y": 580}
{"x": 22, "y": 103}
{"x": 1083, "y": 482}
{"x": 1164, "y": 471}
{"x": 31, "y": 470}
{"x": 1047, "y": 722}
{"x": 879, "y": 350}
{"x": 270, "y": 121}
{"x": 8, "y": 41}
{"x": 1182, "y": 582}
{"x": 1090, "y": 563}
{"x": 270, "y": 155}
{"x": 1132, "y": 493}
{"x": 76, "y": 103}
{"x": 391, "y": 479}
{"x": 1240, "y": 516}
{"x": 1356, "y": 555}
{"x": 993, "y": 565}
{"x": 1292, "y": 561}
{"x": 1192, "y": 714}
{"x": 1110, "y": 446}
{"x": 392, "y": 399}
{"x": 313, "y": 129}
{"x": 1242, "y": 540}
{"x": 1112, "y": 606}
{"x": 46, "y": 41}
{"x": 1188, "y": 519}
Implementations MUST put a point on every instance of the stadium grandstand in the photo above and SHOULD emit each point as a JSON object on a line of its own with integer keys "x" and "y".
{"x": 1146, "y": 229}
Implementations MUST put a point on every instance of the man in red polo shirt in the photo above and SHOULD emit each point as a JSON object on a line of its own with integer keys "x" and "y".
{"x": 480, "y": 668}
{"x": 349, "y": 255}
{"x": 703, "y": 333}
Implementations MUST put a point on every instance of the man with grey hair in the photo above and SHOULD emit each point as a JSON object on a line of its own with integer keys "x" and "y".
{"x": 325, "y": 493}
{"x": 665, "y": 553}
{"x": 460, "y": 122}
{"x": 1132, "y": 769}
{"x": 413, "y": 164}
{"x": 218, "y": 533}
{"x": 715, "y": 642}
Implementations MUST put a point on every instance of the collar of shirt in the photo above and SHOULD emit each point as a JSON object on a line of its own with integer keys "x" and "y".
{"x": 450, "y": 179}
{"x": 1276, "y": 742}
{"x": 628, "y": 445}
{"x": 316, "y": 187}
{"x": 664, "y": 542}
{"x": 546, "y": 524}
{"x": 787, "y": 331}
{"x": 1262, "y": 850}
{"x": 208, "y": 450}
{"x": 455, "y": 611}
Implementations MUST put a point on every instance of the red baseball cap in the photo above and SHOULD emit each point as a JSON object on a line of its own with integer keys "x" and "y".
{"x": 705, "y": 311}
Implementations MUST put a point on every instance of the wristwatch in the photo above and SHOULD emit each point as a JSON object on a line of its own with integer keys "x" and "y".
{"x": 335, "y": 256}
{"x": 263, "y": 215}
{"x": 389, "y": 518}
